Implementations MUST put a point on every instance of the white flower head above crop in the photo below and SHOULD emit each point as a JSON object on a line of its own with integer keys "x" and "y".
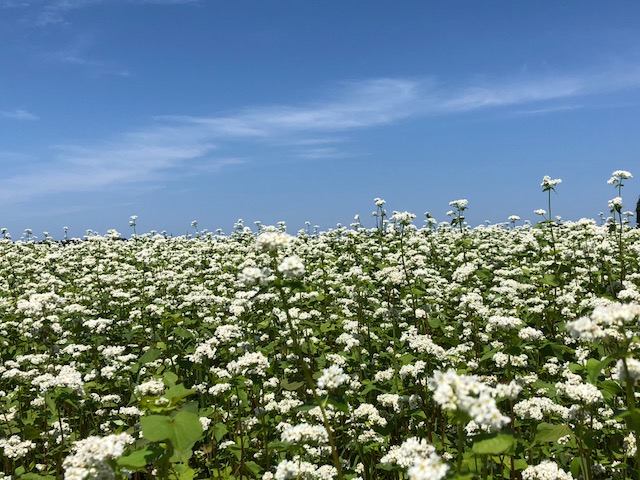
{"x": 403, "y": 218}
{"x": 618, "y": 176}
{"x": 462, "y": 203}
{"x": 550, "y": 183}
{"x": 615, "y": 203}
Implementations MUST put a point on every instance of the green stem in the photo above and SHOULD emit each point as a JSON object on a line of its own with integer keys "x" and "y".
{"x": 460, "y": 448}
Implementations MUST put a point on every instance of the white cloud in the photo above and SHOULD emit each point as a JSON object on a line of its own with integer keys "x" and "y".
{"x": 543, "y": 111}
{"x": 43, "y": 13}
{"x": 79, "y": 54}
{"x": 311, "y": 131}
{"x": 19, "y": 114}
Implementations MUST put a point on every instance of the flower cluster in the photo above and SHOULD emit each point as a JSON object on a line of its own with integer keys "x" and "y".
{"x": 90, "y": 456}
{"x": 469, "y": 395}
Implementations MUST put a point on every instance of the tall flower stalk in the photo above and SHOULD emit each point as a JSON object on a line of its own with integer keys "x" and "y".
{"x": 615, "y": 207}
{"x": 549, "y": 185}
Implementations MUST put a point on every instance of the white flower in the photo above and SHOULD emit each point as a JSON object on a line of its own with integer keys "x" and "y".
{"x": 403, "y": 218}
{"x": 618, "y": 176}
{"x": 540, "y": 211}
{"x": 530, "y": 334}
{"x": 15, "y": 447}
{"x": 547, "y": 470}
{"x": 251, "y": 363}
{"x": 467, "y": 394}
{"x": 548, "y": 182}
{"x": 90, "y": 456}
{"x": 630, "y": 446}
{"x": 633, "y": 369}
{"x": 154, "y": 386}
{"x": 462, "y": 203}
{"x": 254, "y": 276}
{"x": 332, "y": 378}
{"x": 272, "y": 241}
{"x": 604, "y": 322}
{"x": 407, "y": 454}
{"x": 291, "y": 267}
{"x": 300, "y": 470}
{"x": 430, "y": 468}
{"x": 498, "y": 322}
{"x": 615, "y": 203}
{"x": 305, "y": 433}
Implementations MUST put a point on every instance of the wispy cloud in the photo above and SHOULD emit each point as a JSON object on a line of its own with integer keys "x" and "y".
{"x": 313, "y": 131}
{"x": 555, "y": 109}
{"x": 19, "y": 114}
{"x": 44, "y": 13}
{"x": 50, "y": 12}
{"x": 79, "y": 54}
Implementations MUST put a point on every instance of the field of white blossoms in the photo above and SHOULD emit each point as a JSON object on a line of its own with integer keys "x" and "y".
{"x": 394, "y": 352}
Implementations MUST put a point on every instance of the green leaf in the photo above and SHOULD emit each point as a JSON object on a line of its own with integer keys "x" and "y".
{"x": 547, "y": 432}
{"x": 406, "y": 359}
{"x": 183, "y": 430}
{"x": 142, "y": 457}
{"x": 631, "y": 417}
{"x": 187, "y": 430}
{"x": 434, "y": 322}
{"x": 176, "y": 393}
{"x": 484, "y": 274}
{"x": 550, "y": 279}
{"x": 219, "y": 431}
{"x": 254, "y": 468}
{"x": 328, "y": 327}
{"x": 169, "y": 378}
{"x": 340, "y": 403}
{"x": 184, "y": 472}
{"x": 594, "y": 367}
{"x": 493, "y": 444}
{"x": 149, "y": 356}
{"x": 182, "y": 332}
{"x": 418, "y": 291}
{"x": 156, "y": 428}
{"x": 287, "y": 385}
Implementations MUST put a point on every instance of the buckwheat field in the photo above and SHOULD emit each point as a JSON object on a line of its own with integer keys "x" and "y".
{"x": 411, "y": 349}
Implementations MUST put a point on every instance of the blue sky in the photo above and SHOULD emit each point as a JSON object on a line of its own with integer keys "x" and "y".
{"x": 179, "y": 110}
